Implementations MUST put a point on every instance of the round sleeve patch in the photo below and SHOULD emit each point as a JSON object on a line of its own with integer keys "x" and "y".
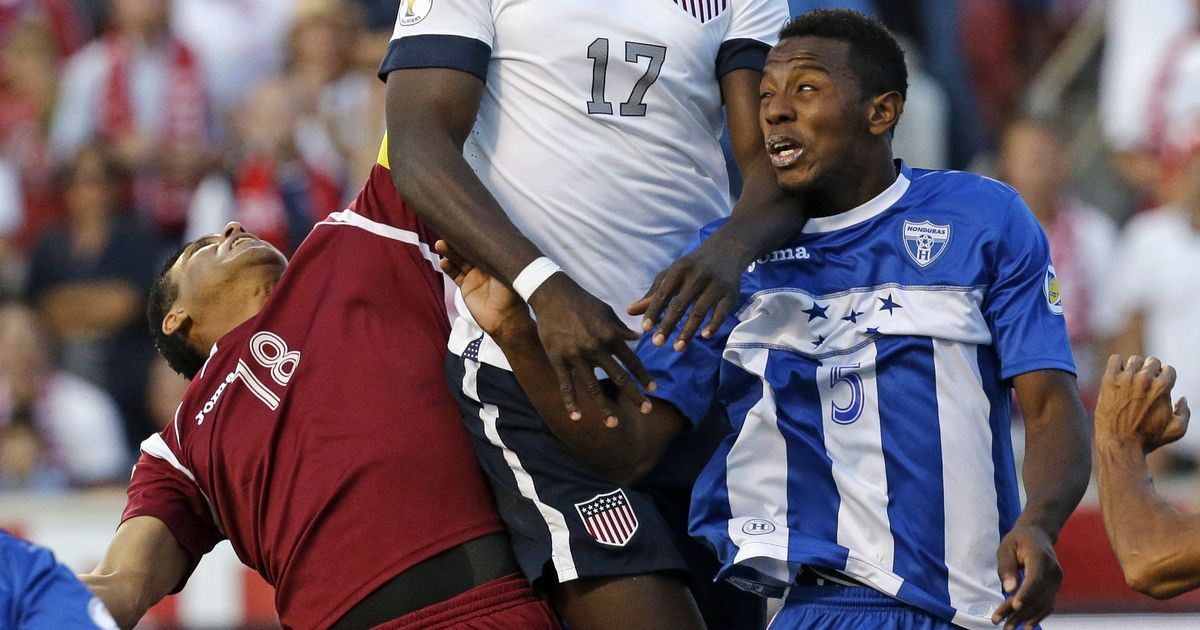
{"x": 1053, "y": 294}
{"x": 414, "y": 11}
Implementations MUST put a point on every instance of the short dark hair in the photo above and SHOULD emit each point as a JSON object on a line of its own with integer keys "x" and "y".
{"x": 876, "y": 57}
{"x": 180, "y": 354}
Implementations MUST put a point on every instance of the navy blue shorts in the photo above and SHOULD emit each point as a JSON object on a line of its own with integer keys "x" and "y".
{"x": 836, "y": 607}
{"x": 566, "y": 520}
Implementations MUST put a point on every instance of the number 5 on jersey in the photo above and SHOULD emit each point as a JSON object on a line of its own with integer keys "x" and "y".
{"x": 632, "y": 106}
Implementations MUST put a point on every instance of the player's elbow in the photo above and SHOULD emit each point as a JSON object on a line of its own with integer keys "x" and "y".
{"x": 1153, "y": 576}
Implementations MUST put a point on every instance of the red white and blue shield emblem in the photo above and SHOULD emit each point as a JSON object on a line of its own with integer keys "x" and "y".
{"x": 609, "y": 518}
{"x": 703, "y": 10}
{"x": 926, "y": 241}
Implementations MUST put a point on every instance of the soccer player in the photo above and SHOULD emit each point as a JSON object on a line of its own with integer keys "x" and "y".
{"x": 1157, "y": 546}
{"x": 317, "y": 435}
{"x": 583, "y": 134}
{"x": 39, "y": 593}
{"x": 870, "y": 479}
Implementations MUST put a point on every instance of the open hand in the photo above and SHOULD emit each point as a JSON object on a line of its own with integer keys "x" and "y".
{"x": 707, "y": 280}
{"x": 1030, "y": 599}
{"x": 580, "y": 333}
{"x": 1135, "y": 404}
{"x": 493, "y": 305}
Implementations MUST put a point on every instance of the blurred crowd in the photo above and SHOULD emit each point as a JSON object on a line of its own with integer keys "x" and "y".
{"x": 128, "y": 126}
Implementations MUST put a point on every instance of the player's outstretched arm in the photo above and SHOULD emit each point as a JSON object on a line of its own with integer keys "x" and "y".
{"x": 1157, "y": 546}
{"x": 142, "y": 565}
{"x": 623, "y": 449}
{"x": 708, "y": 279}
{"x": 430, "y": 112}
{"x": 1056, "y": 471}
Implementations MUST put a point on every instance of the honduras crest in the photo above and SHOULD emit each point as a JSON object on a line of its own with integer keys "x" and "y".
{"x": 609, "y": 518}
{"x": 926, "y": 241}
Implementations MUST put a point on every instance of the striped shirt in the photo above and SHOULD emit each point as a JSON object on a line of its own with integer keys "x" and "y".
{"x": 867, "y": 376}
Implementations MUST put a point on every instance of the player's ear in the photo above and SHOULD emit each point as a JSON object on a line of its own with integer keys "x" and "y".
{"x": 884, "y": 112}
{"x": 177, "y": 319}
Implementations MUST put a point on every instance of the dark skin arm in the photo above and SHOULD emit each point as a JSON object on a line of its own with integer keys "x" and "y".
{"x": 622, "y": 450}
{"x": 1158, "y": 547}
{"x": 1056, "y": 471}
{"x": 708, "y": 279}
{"x": 430, "y": 112}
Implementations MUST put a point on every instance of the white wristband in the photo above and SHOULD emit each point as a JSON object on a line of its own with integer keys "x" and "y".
{"x": 533, "y": 276}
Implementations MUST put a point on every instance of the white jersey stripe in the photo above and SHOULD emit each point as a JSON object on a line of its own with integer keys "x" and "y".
{"x": 560, "y": 536}
{"x": 352, "y": 218}
{"x": 970, "y": 491}
{"x": 156, "y": 447}
{"x": 759, "y": 490}
{"x": 856, "y": 447}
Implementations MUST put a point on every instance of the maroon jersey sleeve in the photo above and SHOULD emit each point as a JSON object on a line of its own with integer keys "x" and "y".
{"x": 160, "y": 490}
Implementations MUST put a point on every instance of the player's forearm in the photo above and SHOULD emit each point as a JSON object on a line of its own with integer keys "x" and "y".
{"x": 1157, "y": 546}
{"x": 764, "y": 217}
{"x": 1057, "y": 464}
{"x": 429, "y": 119}
{"x": 120, "y": 595}
{"x": 622, "y": 453}
{"x": 141, "y": 566}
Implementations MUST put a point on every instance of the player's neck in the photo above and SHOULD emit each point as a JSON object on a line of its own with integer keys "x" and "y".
{"x": 851, "y": 187}
{"x": 238, "y": 305}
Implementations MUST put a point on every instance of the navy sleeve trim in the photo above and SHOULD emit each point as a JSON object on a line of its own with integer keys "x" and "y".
{"x": 738, "y": 54}
{"x": 437, "y": 51}
{"x": 1035, "y": 364}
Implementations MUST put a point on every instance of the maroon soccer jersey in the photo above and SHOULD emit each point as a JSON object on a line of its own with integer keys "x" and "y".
{"x": 320, "y": 437}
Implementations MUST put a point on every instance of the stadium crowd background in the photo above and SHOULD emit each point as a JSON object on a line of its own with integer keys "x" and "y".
{"x": 269, "y": 112}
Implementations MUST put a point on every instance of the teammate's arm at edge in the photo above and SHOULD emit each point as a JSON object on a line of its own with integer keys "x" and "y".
{"x": 1157, "y": 545}
{"x": 142, "y": 565}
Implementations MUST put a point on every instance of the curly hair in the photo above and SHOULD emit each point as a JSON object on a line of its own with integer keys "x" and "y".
{"x": 875, "y": 55}
{"x": 180, "y": 354}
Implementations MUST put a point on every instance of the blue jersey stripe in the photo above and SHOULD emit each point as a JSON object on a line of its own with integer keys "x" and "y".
{"x": 811, "y": 504}
{"x": 1008, "y": 498}
{"x": 912, "y": 449}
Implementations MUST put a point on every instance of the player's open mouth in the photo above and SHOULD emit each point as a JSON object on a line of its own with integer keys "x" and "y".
{"x": 784, "y": 151}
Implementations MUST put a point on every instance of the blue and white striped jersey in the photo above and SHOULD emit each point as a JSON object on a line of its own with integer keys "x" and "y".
{"x": 867, "y": 377}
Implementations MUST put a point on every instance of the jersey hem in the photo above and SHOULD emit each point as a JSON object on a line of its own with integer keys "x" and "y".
{"x": 491, "y": 525}
{"x": 437, "y": 51}
{"x": 741, "y": 54}
{"x": 1040, "y": 363}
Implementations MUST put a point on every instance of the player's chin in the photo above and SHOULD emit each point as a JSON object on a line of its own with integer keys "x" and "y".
{"x": 795, "y": 180}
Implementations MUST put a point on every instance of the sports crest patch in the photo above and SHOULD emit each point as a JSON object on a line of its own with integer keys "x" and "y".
{"x": 413, "y": 11}
{"x": 609, "y": 518}
{"x": 925, "y": 242}
{"x": 1052, "y": 291}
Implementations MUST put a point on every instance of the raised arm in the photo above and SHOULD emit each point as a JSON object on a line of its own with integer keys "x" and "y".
{"x": 1056, "y": 471}
{"x": 1158, "y": 547}
{"x": 708, "y": 279}
{"x": 430, "y": 112}
{"x": 626, "y": 446}
{"x": 142, "y": 565}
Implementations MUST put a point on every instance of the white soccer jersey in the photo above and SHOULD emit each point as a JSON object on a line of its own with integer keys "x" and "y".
{"x": 599, "y": 128}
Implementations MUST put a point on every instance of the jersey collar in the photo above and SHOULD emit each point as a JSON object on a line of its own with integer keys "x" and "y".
{"x": 868, "y": 210}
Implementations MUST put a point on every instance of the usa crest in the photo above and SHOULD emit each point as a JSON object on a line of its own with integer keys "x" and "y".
{"x": 925, "y": 242}
{"x": 703, "y": 10}
{"x": 609, "y": 518}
